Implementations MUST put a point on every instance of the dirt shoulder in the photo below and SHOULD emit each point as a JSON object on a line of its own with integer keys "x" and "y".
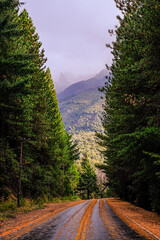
{"x": 25, "y": 221}
{"x": 144, "y": 222}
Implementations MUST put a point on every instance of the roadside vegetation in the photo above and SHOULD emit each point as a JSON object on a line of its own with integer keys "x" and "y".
{"x": 82, "y": 117}
{"x": 37, "y": 155}
{"x": 131, "y": 118}
{"x": 39, "y": 159}
{"x": 9, "y": 209}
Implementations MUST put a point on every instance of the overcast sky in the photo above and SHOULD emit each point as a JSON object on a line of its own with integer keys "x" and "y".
{"x": 74, "y": 33}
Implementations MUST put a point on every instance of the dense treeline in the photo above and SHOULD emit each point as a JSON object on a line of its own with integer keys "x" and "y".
{"x": 131, "y": 117}
{"x": 30, "y": 120}
{"x": 82, "y": 117}
{"x": 87, "y": 186}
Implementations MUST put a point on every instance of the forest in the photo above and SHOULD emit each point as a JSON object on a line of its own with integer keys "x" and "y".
{"x": 131, "y": 118}
{"x": 81, "y": 115}
{"x": 37, "y": 155}
{"x": 39, "y": 159}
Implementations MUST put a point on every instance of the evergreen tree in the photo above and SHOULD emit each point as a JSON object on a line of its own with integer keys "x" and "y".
{"x": 49, "y": 146}
{"x": 29, "y": 112}
{"x": 14, "y": 76}
{"x": 71, "y": 172}
{"x": 131, "y": 113}
{"x": 88, "y": 179}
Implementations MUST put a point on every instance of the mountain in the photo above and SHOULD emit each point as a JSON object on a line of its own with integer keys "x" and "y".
{"x": 77, "y": 88}
{"x": 66, "y": 79}
{"x": 63, "y": 82}
{"x": 81, "y": 108}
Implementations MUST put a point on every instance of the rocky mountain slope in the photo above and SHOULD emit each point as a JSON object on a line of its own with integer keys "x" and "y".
{"x": 81, "y": 108}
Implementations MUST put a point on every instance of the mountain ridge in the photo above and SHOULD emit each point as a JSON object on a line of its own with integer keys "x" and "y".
{"x": 81, "y": 109}
{"x": 76, "y": 88}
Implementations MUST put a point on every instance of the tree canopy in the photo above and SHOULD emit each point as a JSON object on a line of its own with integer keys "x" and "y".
{"x": 88, "y": 180}
{"x": 29, "y": 114}
{"x": 132, "y": 106}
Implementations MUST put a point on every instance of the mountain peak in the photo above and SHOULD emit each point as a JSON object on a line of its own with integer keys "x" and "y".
{"x": 76, "y": 88}
{"x": 103, "y": 73}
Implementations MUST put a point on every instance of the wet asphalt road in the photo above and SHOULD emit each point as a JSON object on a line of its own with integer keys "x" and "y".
{"x": 90, "y": 220}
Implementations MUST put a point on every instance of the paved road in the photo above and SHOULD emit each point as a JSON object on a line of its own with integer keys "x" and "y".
{"x": 89, "y": 220}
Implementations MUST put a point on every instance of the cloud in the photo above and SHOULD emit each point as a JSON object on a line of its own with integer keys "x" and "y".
{"x": 74, "y": 33}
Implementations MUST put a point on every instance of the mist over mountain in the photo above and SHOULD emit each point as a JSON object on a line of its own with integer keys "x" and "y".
{"x": 66, "y": 79}
{"x": 79, "y": 87}
{"x": 81, "y": 108}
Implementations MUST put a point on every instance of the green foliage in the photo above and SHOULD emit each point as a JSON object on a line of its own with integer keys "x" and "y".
{"x": 82, "y": 117}
{"x": 83, "y": 111}
{"x": 29, "y": 112}
{"x": 88, "y": 180}
{"x": 9, "y": 209}
{"x": 8, "y": 178}
{"x": 131, "y": 111}
{"x": 87, "y": 142}
{"x": 14, "y": 74}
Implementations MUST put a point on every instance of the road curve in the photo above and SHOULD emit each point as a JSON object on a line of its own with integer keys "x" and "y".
{"x": 89, "y": 220}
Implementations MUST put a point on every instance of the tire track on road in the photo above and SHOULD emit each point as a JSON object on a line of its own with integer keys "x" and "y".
{"x": 81, "y": 233}
{"x": 115, "y": 227}
{"x": 29, "y": 225}
{"x": 132, "y": 223}
{"x": 68, "y": 227}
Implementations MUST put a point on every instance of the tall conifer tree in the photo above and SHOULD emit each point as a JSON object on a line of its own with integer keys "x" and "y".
{"x": 14, "y": 77}
{"x": 88, "y": 179}
{"x": 29, "y": 112}
{"x": 131, "y": 116}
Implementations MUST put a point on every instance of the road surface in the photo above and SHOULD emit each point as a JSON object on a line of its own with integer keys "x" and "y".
{"x": 89, "y": 220}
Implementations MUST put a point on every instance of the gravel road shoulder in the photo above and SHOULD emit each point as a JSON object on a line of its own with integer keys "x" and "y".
{"x": 144, "y": 222}
{"x": 33, "y": 218}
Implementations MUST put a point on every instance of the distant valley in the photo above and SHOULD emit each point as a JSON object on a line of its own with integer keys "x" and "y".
{"x": 81, "y": 108}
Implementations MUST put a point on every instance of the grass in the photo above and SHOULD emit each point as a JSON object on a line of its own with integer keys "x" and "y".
{"x": 8, "y": 208}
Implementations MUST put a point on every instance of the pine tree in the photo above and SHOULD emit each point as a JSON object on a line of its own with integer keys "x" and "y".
{"x": 14, "y": 77}
{"x": 88, "y": 179}
{"x": 29, "y": 113}
{"x": 71, "y": 172}
{"x": 131, "y": 113}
